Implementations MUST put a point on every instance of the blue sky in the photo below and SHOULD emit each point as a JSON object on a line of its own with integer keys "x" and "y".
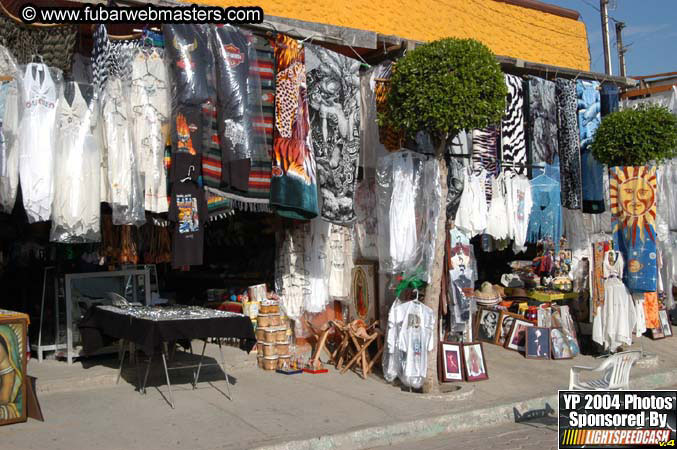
{"x": 650, "y": 26}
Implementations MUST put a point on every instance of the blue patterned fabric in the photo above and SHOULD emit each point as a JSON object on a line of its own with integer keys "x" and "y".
{"x": 592, "y": 171}
{"x": 609, "y": 98}
{"x": 545, "y": 220}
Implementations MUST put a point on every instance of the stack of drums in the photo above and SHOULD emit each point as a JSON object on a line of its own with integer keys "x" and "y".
{"x": 272, "y": 335}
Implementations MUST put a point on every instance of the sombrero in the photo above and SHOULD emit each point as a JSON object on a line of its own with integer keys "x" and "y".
{"x": 487, "y": 295}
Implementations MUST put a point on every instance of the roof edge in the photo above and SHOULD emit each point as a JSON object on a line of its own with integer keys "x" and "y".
{"x": 545, "y": 7}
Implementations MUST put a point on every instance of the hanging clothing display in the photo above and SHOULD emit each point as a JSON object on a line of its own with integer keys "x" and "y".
{"x": 370, "y": 146}
{"x": 514, "y": 149}
{"x": 411, "y": 327}
{"x": 542, "y": 124}
{"x": 651, "y": 310}
{"x": 211, "y": 151}
{"x": 545, "y": 221}
{"x": 615, "y": 321}
{"x": 334, "y": 100}
{"x": 568, "y": 144}
{"x": 111, "y": 59}
{"x": 291, "y": 276}
{"x": 190, "y": 63}
{"x": 76, "y": 206}
{"x": 401, "y": 219}
{"x": 520, "y": 204}
{"x": 589, "y": 118}
{"x": 472, "y": 210}
{"x": 151, "y": 111}
{"x": 485, "y": 154}
{"x": 9, "y": 147}
{"x": 497, "y": 225}
{"x": 186, "y": 137}
{"x": 366, "y": 221}
{"x": 609, "y": 98}
{"x": 127, "y": 199}
{"x": 36, "y": 139}
{"x": 318, "y": 264}
{"x": 455, "y": 184}
{"x": 188, "y": 209}
{"x": 8, "y": 64}
{"x": 633, "y": 204}
{"x": 340, "y": 255}
{"x": 293, "y": 190}
{"x": 597, "y": 279}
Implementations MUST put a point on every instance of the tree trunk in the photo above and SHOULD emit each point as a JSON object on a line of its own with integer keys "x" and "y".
{"x": 432, "y": 294}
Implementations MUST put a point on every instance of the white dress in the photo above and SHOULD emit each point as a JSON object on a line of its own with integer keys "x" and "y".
{"x": 497, "y": 225}
{"x": 76, "y": 206}
{"x": 522, "y": 203}
{"x": 471, "y": 216}
{"x": 317, "y": 265}
{"x": 616, "y": 320}
{"x": 402, "y": 213}
{"x": 9, "y": 179}
{"x": 36, "y": 142}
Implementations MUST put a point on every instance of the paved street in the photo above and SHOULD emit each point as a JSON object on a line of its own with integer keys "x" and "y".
{"x": 536, "y": 435}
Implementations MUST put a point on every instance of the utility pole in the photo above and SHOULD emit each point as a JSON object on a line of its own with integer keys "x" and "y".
{"x": 605, "y": 36}
{"x": 621, "y": 49}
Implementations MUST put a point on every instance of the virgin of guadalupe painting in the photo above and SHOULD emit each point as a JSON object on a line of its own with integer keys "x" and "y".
{"x": 12, "y": 368}
{"x": 363, "y": 290}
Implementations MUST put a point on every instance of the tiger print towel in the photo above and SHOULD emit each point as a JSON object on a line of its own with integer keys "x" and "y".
{"x": 293, "y": 189}
{"x": 568, "y": 144}
{"x": 542, "y": 135}
{"x": 512, "y": 127}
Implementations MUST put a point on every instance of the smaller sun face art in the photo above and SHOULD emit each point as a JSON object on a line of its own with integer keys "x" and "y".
{"x": 633, "y": 201}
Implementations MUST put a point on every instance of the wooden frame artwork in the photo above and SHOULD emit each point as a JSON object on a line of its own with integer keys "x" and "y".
{"x": 516, "y": 337}
{"x": 364, "y": 292}
{"x": 474, "y": 362}
{"x": 505, "y": 321}
{"x": 13, "y": 368}
{"x": 559, "y": 344}
{"x": 665, "y": 323}
{"x": 452, "y": 361}
{"x": 537, "y": 345}
{"x": 656, "y": 333}
{"x": 486, "y": 325}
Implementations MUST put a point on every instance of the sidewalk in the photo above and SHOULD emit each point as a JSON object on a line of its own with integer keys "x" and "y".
{"x": 84, "y": 408}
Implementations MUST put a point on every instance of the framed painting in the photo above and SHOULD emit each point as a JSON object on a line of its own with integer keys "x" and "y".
{"x": 486, "y": 325}
{"x": 656, "y": 333}
{"x": 559, "y": 344}
{"x": 474, "y": 363}
{"x": 517, "y": 336}
{"x": 452, "y": 361}
{"x": 363, "y": 292}
{"x": 537, "y": 345}
{"x": 505, "y": 321}
{"x": 665, "y": 323}
{"x": 13, "y": 327}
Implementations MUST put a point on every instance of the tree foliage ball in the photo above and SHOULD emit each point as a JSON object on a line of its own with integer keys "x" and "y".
{"x": 446, "y": 86}
{"x": 635, "y": 137}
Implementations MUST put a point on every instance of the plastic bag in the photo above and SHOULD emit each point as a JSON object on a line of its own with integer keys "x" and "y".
{"x": 9, "y": 150}
{"x": 150, "y": 113}
{"x": 190, "y": 63}
{"x": 126, "y": 184}
{"x": 39, "y": 87}
{"x": 76, "y": 206}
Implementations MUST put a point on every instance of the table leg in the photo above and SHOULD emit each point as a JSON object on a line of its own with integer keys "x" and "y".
{"x": 223, "y": 367}
{"x": 122, "y": 359}
{"x": 199, "y": 366}
{"x": 145, "y": 377}
{"x": 169, "y": 386}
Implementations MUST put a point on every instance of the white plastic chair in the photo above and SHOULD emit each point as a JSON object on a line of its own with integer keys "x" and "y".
{"x": 616, "y": 373}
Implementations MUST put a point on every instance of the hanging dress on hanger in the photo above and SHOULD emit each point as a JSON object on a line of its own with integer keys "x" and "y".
{"x": 497, "y": 225}
{"x": 472, "y": 210}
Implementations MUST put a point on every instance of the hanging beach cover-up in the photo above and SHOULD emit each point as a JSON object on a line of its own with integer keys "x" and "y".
{"x": 512, "y": 126}
{"x": 545, "y": 220}
{"x": 592, "y": 172}
{"x": 334, "y": 99}
{"x": 293, "y": 190}
{"x": 569, "y": 144}
{"x": 542, "y": 133}
{"x": 633, "y": 205}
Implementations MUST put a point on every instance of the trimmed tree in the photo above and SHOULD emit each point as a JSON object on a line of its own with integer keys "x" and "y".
{"x": 634, "y": 137}
{"x": 442, "y": 88}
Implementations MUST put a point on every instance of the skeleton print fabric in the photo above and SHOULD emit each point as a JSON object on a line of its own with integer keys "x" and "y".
{"x": 542, "y": 135}
{"x": 512, "y": 127}
{"x": 334, "y": 99}
{"x": 569, "y": 144}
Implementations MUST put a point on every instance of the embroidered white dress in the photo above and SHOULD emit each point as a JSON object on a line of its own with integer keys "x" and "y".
{"x": 471, "y": 216}
{"x": 497, "y": 225}
{"x": 9, "y": 127}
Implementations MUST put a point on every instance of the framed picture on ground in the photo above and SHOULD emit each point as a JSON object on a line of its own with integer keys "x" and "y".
{"x": 363, "y": 292}
{"x": 12, "y": 367}
{"x": 559, "y": 344}
{"x": 666, "y": 328}
{"x": 474, "y": 364}
{"x": 452, "y": 362}
{"x": 486, "y": 326}
{"x": 537, "y": 343}
{"x": 505, "y": 321}
{"x": 516, "y": 337}
{"x": 655, "y": 333}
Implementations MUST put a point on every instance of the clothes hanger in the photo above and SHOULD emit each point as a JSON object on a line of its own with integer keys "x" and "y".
{"x": 191, "y": 169}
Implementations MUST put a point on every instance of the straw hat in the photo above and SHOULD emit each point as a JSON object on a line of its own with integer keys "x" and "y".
{"x": 487, "y": 295}
{"x": 517, "y": 293}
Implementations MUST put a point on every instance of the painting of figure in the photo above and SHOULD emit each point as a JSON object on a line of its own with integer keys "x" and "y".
{"x": 12, "y": 371}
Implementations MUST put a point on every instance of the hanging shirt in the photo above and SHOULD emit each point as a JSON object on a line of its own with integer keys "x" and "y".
{"x": 36, "y": 141}
{"x": 521, "y": 202}
{"x": 190, "y": 63}
{"x": 188, "y": 209}
{"x": 340, "y": 262}
{"x": 497, "y": 225}
{"x": 415, "y": 339}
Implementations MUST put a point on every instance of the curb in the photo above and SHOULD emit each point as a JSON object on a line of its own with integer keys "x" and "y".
{"x": 463, "y": 421}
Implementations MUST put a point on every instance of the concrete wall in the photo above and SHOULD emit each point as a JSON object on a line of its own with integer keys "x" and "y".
{"x": 508, "y": 30}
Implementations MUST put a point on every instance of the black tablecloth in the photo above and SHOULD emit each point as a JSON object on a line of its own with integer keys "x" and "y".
{"x": 148, "y": 334}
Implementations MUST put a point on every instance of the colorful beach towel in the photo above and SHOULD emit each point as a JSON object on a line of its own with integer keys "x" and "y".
{"x": 569, "y": 144}
{"x": 592, "y": 172}
{"x": 293, "y": 189}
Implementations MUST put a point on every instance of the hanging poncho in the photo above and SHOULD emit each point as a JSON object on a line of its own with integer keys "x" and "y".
{"x": 568, "y": 144}
{"x": 293, "y": 190}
